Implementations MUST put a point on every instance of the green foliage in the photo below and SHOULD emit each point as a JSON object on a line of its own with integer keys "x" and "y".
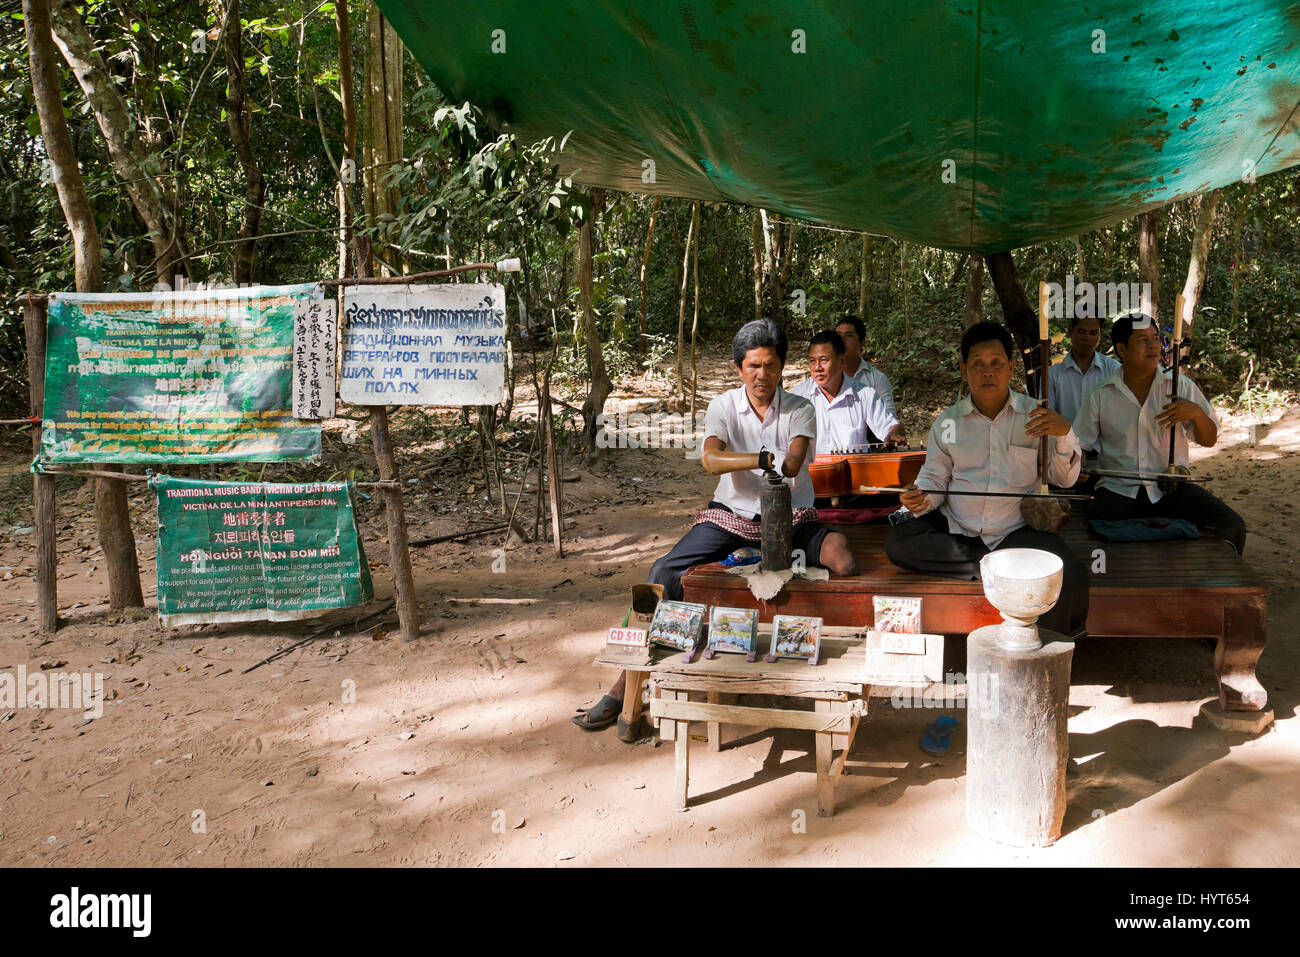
{"x": 470, "y": 192}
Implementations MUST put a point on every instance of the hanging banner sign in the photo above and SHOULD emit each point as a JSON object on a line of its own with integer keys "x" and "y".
{"x": 315, "y": 353}
{"x": 424, "y": 345}
{"x": 251, "y": 551}
{"x": 174, "y": 377}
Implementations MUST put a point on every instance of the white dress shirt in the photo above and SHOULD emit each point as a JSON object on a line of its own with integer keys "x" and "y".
{"x": 732, "y": 419}
{"x": 873, "y": 378}
{"x": 1127, "y": 433}
{"x": 1067, "y": 384}
{"x": 842, "y": 422}
{"x": 966, "y": 450}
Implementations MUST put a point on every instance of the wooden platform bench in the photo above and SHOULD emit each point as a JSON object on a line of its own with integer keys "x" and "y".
{"x": 1198, "y": 588}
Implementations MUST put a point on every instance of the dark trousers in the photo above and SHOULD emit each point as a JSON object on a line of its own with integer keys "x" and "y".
{"x": 924, "y": 544}
{"x": 707, "y": 542}
{"x": 1187, "y": 501}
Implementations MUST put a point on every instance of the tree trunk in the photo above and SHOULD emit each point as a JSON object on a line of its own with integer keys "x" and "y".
{"x": 1149, "y": 263}
{"x": 601, "y": 386}
{"x": 783, "y": 274}
{"x": 239, "y": 121}
{"x": 384, "y": 97}
{"x": 645, "y": 277}
{"x": 348, "y": 170}
{"x": 135, "y": 166}
{"x": 1240, "y": 205}
{"x": 974, "y": 291}
{"x": 864, "y": 275}
{"x": 59, "y": 149}
{"x": 112, "y": 514}
{"x": 681, "y": 311}
{"x": 383, "y": 119}
{"x": 907, "y": 305}
{"x": 1017, "y": 311}
{"x": 756, "y": 233}
{"x": 695, "y": 319}
{"x": 1206, "y": 204}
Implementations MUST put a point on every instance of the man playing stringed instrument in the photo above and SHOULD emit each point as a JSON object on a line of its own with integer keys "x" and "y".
{"x": 988, "y": 442}
{"x": 1130, "y": 416}
{"x": 849, "y": 414}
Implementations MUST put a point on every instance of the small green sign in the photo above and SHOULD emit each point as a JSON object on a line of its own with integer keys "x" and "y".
{"x": 249, "y": 551}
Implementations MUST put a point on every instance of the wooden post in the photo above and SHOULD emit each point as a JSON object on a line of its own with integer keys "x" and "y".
{"x": 552, "y": 466}
{"x": 399, "y": 552}
{"x": 47, "y": 606}
{"x": 825, "y": 782}
{"x": 715, "y": 727}
{"x": 548, "y": 456}
{"x": 1018, "y": 743}
{"x": 634, "y": 683}
{"x": 383, "y": 148}
{"x": 682, "y": 762}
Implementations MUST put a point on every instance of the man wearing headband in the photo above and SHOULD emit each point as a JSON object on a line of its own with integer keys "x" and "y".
{"x": 1129, "y": 417}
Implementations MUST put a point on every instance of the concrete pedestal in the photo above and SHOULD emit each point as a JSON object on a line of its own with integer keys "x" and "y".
{"x": 1017, "y": 744}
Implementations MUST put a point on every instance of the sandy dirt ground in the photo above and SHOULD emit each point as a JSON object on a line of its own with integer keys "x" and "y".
{"x": 458, "y": 749}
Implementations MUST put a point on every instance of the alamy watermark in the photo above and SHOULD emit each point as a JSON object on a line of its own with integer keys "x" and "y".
{"x": 979, "y": 694}
{"x": 1065, "y": 301}
{"x": 81, "y": 691}
{"x": 651, "y": 430}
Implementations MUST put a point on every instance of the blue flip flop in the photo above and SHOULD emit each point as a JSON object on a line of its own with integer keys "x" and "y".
{"x": 936, "y": 737}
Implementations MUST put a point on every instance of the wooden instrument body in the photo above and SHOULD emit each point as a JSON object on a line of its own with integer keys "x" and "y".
{"x": 835, "y": 475}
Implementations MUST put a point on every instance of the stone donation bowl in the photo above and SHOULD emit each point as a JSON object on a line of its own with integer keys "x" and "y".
{"x": 1021, "y": 583}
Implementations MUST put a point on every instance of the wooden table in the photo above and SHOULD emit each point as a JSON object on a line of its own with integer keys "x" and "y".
{"x": 835, "y": 686}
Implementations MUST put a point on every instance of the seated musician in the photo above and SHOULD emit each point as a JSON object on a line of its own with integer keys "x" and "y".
{"x": 988, "y": 442}
{"x": 1130, "y": 415}
{"x": 753, "y": 427}
{"x": 854, "y": 333}
{"x": 1081, "y": 371}
{"x": 849, "y": 414}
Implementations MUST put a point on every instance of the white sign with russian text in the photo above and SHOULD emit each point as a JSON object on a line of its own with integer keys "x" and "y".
{"x": 424, "y": 344}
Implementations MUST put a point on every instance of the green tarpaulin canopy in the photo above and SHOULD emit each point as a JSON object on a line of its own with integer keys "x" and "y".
{"x": 1057, "y": 117}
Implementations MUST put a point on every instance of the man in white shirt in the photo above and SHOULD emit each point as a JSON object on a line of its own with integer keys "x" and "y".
{"x": 988, "y": 442}
{"x": 1130, "y": 416}
{"x": 749, "y": 429}
{"x": 854, "y": 333}
{"x": 1081, "y": 371}
{"x": 849, "y": 414}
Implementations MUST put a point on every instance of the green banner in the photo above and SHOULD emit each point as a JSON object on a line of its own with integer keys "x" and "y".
{"x": 174, "y": 377}
{"x": 251, "y": 550}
